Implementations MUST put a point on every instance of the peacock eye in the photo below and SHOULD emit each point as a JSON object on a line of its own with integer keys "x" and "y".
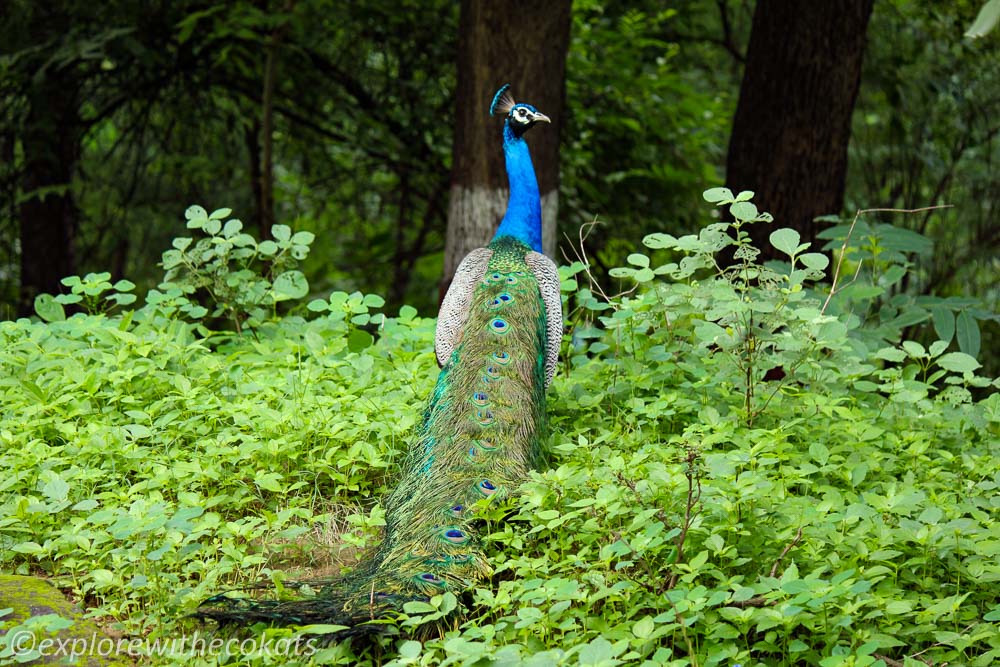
{"x": 522, "y": 112}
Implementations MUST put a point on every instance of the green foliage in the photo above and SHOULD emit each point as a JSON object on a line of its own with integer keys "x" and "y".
{"x": 642, "y": 133}
{"x": 924, "y": 133}
{"x": 700, "y": 507}
{"x": 94, "y": 292}
{"x": 244, "y": 279}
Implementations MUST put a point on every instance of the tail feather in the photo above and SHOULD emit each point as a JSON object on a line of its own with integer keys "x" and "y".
{"x": 479, "y": 438}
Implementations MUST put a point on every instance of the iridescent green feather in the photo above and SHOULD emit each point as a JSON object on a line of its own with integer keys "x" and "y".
{"x": 479, "y": 438}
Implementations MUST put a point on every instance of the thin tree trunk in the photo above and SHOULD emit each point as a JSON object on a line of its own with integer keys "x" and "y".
{"x": 522, "y": 43}
{"x": 251, "y": 135}
{"x": 266, "y": 206}
{"x": 793, "y": 119}
{"x": 49, "y": 217}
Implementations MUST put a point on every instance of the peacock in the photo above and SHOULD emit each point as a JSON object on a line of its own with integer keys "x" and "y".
{"x": 497, "y": 341}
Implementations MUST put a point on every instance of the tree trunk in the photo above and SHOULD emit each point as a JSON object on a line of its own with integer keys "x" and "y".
{"x": 522, "y": 43}
{"x": 49, "y": 217}
{"x": 793, "y": 119}
{"x": 251, "y": 136}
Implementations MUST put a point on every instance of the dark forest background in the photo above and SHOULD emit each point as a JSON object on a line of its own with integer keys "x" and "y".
{"x": 341, "y": 118}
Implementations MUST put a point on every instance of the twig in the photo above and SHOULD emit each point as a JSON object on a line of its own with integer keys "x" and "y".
{"x": 692, "y": 500}
{"x": 784, "y": 552}
{"x": 687, "y": 640}
{"x": 847, "y": 239}
{"x": 887, "y": 660}
{"x": 581, "y": 256}
{"x": 915, "y": 656}
{"x": 756, "y": 601}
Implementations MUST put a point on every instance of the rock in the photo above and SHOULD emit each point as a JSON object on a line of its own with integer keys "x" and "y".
{"x": 41, "y": 627}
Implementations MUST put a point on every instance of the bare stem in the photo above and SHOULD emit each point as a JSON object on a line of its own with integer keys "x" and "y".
{"x": 843, "y": 248}
{"x": 784, "y": 552}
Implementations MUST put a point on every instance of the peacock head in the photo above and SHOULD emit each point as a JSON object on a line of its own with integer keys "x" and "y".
{"x": 519, "y": 117}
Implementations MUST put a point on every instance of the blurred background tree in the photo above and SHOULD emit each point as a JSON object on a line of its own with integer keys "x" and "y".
{"x": 339, "y": 118}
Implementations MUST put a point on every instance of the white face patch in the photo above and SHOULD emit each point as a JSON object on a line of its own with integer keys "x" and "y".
{"x": 520, "y": 115}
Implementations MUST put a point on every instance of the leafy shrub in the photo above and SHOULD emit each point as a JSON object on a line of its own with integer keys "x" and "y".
{"x": 742, "y": 471}
{"x": 242, "y": 278}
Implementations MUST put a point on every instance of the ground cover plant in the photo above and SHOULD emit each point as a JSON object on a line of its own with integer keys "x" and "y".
{"x": 747, "y": 465}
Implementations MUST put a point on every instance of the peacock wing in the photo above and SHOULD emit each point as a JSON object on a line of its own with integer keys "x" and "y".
{"x": 547, "y": 275}
{"x": 455, "y": 306}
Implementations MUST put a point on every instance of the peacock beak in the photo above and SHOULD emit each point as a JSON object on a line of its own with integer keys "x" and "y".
{"x": 539, "y": 117}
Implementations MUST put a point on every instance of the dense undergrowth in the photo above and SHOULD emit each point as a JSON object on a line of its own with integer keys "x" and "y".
{"x": 741, "y": 471}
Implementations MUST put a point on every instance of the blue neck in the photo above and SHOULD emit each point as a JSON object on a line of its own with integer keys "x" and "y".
{"x": 523, "y": 219}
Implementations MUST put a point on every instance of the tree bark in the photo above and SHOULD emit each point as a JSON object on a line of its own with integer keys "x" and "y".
{"x": 522, "y": 43}
{"x": 49, "y": 217}
{"x": 793, "y": 119}
{"x": 265, "y": 192}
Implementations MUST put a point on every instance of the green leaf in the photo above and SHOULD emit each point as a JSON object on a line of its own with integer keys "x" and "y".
{"x": 644, "y": 275}
{"x": 290, "y": 285}
{"x": 407, "y": 313}
{"x": 195, "y": 214}
{"x": 27, "y": 548}
{"x": 56, "y": 489}
{"x": 967, "y": 331}
{"x": 819, "y": 452}
{"x": 232, "y": 228}
{"x": 638, "y": 259}
{"x": 212, "y": 227}
{"x": 220, "y": 213}
{"x": 321, "y": 629}
{"x": 718, "y": 195}
{"x": 891, "y": 354}
{"x": 815, "y": 260}
{"x": 659, "y": 241}
{"x": 944, "y": 322}
{"x": 743, "y": 211}
{"x": 622, "y": 272}
{"x": 281, "y": 232}
{"x": 958, "y": 362}
{"x": 644, "y": 627}
{"x": 892, "y": 275}
{"x": 267, "y": 248}
{"x": 786, "y": 240}
{"x": 937, "y": 347}
{"x": 410, "y": 650}
{"x": 359, "y": 340}
{"x": 985, "y": 21}
{"x": 49, "y": 309}
{"x": 269, "y": 481}
{"x": 318, "y": 306}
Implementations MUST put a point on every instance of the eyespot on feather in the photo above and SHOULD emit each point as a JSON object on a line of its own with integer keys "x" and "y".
{"x": 499, "y": 326}
{"x": 454, "y": 536}
{"x": 430, "y": 578}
